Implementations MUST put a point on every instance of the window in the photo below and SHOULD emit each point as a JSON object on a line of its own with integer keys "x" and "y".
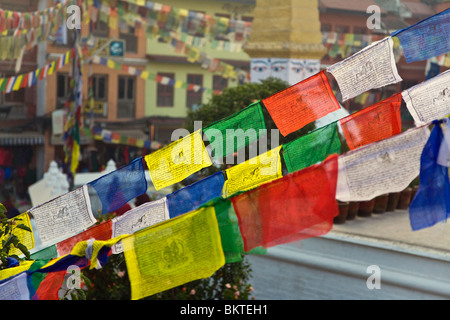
{"x": 131, "y": 41}
{"x": 219, "y": 83}
{"x": 165, "y": 92}
{"x": 126, "y": 97}
{"x": 101, "y": 29}
{"x": 62, "y": 89}
{"x": 193, "y": 97}
{"x": 99, "y": 87}
{"x": 325, "y": 27}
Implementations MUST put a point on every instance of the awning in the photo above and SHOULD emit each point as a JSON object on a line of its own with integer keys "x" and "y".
{"x": 21, "y": 139}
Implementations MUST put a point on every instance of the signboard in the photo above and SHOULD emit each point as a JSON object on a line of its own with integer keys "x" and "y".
{"x": 117, "y": 48}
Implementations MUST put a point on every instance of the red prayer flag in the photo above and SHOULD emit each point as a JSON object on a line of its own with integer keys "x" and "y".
{"x": 102, "y": 231}
{"x": 297, "y": 206}
{"x": 49, "y": 287}
{"x": 302, "y": 103}
{"x": 377, "y": 122}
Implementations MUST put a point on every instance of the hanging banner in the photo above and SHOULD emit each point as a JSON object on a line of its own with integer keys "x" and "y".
{"x": 297, "y": 206}
{"x": 312, "y": 148}
{"x": 377, "y": 122}
{"x": 168, "y": 255}
{"x": 371, "y": 68}
{"x": 120, "y": 186}
{"x": 64, "y": 216}
{"x": 253, "y": 172}
{"x": 178, "y": 160}
{"x": 138, "y": 218}
{"x": 431, "y": 203}
{"x": 429, "y": 100}
{"x": 193, "y": 196}
{"x": 381, "y": 167}
{"x": 427, "y": 38}
{"x": 233, "y": 133}
{"x": 302, "y": 103}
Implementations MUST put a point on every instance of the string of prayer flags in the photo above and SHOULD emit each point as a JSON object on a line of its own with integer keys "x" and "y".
{"x": 102, "y": 231}
{"x": 193, "y": 196}
{"x": 381, "y": 167}
{"x": 427, "y": 38}
{"x": 297, "y": 206}
{"x": 253, "y": 172}
{"x": 233, "y": 133}
{"x": 63, "y": 216}
{"x": 295, "y": 107}
{"x": 138, "y": 218}
{"x": 370, "y": 68}
{"x": 178, "y": 160}
{"x": 120, "y": 186}
{"x": 377, "y": 122}
{"x": 429, "y": 100}
{"x": 312, "y": 148}
{"x": 431, "y": 203}
{"x": 168, "y": 255}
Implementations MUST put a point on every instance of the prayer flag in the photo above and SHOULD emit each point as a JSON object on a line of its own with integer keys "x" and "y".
{"x": 372, "y": 67}
{"x": 121, "y": 185}
{"x": 295, "y": 107}
{"x": 429, "y": 100}
{"x": 193, "y": 196}
{"x": 381, "y": 167}
{"x": 230, "y": 236}
{"x": 63, "y": 216}
{"x": 312, "y": 148}
{"x": 431, "y": 204}
{"x": 231, "y": 134}
{"x": 178, "y": 160}
{"x": 377, "y": 122}
{"x": 15, "y": 288}
{"x": 138, "y": 218}
{"x": 25, "y": 237}
{"x": 168, "y": 255}
{"x": 297, "y": 206}
{"x": 253, "y": 172}
{"x": 427, "y": 38}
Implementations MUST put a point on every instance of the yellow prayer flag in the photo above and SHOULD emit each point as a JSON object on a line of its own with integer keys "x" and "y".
{"x": 178, "y": 160}
{"x": 253, "y": 172}
{"x": 174, "y": 252}
{"x": 9, "y": 272}
{"x": 144, "y": 74}
{"x": 110, "y": 64}
{"x": 25, "y": 237}
{"x": 18, "y": 82}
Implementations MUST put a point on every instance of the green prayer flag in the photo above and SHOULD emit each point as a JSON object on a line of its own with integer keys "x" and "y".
{"x": 311, "y": 148}
{"x": 232, "y": 243}
{"x": 236, "y": 131}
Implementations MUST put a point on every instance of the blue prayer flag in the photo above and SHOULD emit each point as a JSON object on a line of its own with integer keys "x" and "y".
{"x": 193, "y": 196}
{"x": 120, "y": 186}
{"x": 427, "y": 38}
{"x": 432, "y": 201}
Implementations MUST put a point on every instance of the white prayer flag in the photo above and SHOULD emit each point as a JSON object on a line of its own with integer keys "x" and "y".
{"x": 381, "y": 167}
{"x": 372, "y": 67}
{"x": 143, "y": 216}
{"x": 64, "y": 216}
{"x": 429, "y": 100}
